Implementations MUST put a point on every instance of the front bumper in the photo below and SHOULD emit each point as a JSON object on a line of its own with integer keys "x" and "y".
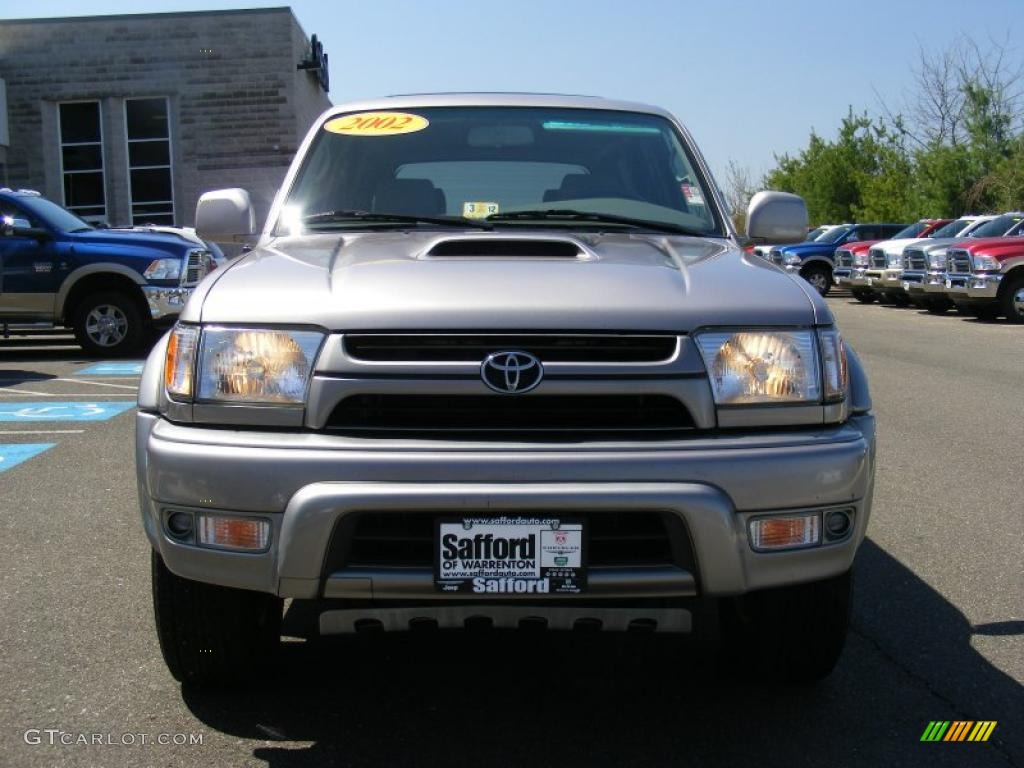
{"x": 842, "y": 276}
{"x": 884, "y": 280}
{"x": 166, "y": 301}
{"x": 307, "y": 484}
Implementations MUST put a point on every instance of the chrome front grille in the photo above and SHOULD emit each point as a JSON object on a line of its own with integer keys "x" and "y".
{"x": 958, "y": 261}
{"x": 844, "y": 258}
{"x": 551, "y": 348}
{"x": 776, "y": 256}
{"x": 877, "y": 258}
{"x": 915, "y": 259}
{"x": 197, "y": 268}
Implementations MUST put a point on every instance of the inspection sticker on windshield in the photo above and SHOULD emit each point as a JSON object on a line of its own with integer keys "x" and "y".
{"x": 510, "y": 556}
{"x": 692, "y": 194}
{"x": 478, "y": 210}
{"x": 376, "y": 124}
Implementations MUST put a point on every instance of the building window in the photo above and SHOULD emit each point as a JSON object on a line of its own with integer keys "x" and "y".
{"x": 81, "y": 159}
{"x": 149, "y": 161}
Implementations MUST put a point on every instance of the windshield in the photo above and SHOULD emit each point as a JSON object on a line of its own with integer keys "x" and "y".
{"x": 952, "y": 229}
{"x": 834, "y": 235}
{"x": 912, "y": 231}
{"x": 814, "y": 234}
{"x": 472, "y": 163}
{"x": 1000, "y": 225}
{"x": 57, "y": 217}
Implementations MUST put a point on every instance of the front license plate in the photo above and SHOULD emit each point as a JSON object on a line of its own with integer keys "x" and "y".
{"x": 906, "y": 285}
{"x": 868, "y": 280}
{"x": 541, "y": 555}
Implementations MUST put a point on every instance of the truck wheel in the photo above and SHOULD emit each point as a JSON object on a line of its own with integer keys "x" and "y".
{"x": 938, "y": 306}
{"x": 790, "y": 634}
{"x": 109, "y": 323}
{"x": 819, "y": 277}
{"x": 1012, "y": 300}
{"x": 900, "y": 299}
{"x": 211, "y": 634}
{"x": 864, "y": 297}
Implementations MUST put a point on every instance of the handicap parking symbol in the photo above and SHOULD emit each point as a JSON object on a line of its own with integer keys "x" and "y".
{"x": 121, "y": 368}
{"x": 62, "y": 411}
{"x": 14, "y": 453}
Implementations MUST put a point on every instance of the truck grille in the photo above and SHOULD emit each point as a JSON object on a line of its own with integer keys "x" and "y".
{"x": 197, "y": 268}
{"x": 915, "y": 260}
{"x": 406, "y": 539}
{"x": 558, "y": 417}
{"x": 844, "y": 258}
{"x": 877, "y": 257}
{"x": 776, "y": 256}
{"x": 958, "y": 261}
{"x": 551, "y": 348}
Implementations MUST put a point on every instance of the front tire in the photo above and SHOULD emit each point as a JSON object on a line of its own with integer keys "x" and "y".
{"x": 109, "y": 323}
{"x": 791, "y": 634}
{"x": 938, "y": 306}
{"x": 864, "y": 297}
{"x": 819, "y": 277}
{"x": 1012, "y": 300}
{"x": 210, "y": 634}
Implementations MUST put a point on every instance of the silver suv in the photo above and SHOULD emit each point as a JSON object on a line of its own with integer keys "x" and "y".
{"x": 501, "y": 358}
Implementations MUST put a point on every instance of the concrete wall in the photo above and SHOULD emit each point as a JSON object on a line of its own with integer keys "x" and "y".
{"x": 238, "y": 106}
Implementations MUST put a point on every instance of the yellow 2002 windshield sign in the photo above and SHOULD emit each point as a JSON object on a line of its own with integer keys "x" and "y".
{"x": 376, "y": 124}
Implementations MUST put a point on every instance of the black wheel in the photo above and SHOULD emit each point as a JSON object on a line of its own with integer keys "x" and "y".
{"x": 938, "y": 306}
{"x": 900, "y": 299}
{"x": 1011, "y": 299}
{"x": 864, "y": 297}
{"x": 987, "y": 314}
{"x": 109, "y": 323}
{"x": 210, "y": 634}
{"x": 789, "y": 634}
{"x": 884, "y": 299}
{"x": 820, "y": 277}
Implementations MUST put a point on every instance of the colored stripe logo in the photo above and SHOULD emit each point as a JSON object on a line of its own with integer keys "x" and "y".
{"x": 959, "y": 730}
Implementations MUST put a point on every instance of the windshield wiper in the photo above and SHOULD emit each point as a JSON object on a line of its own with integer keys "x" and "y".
{"x": 396, "y": 218}
{"x": 569, "y": 215}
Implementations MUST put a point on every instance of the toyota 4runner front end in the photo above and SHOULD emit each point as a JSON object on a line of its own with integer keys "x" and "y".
{"x": 502, "y": 358}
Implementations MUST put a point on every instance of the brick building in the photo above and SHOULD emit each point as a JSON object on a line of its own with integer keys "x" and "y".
{"x": 128, "y": 119}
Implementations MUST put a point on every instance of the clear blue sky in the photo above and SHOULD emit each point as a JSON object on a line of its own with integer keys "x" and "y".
{"x": 749, "y": 78}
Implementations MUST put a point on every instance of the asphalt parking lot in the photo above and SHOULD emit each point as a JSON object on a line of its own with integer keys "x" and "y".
{"x": 938, "y": 622}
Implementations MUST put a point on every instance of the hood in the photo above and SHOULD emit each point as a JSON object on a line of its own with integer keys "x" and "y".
{"x": 992, "y": 245}
{"x": 860, "y": 246}
{"x": 403, "y": 281}
{"x": 126, "y": 242}
{"x": 811, "y": 247}
{"x": 895, "y": 247}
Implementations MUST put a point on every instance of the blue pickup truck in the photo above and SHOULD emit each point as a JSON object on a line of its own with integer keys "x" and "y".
{"x": 815, "y": 260}
{"x": 111, "y": 286}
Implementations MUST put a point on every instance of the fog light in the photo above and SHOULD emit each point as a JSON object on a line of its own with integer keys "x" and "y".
{"x": 785, "y": 532}
{"x": 243, "y": 533}
{"x": 179, "y": 525}
{"x": 837, "y": 524}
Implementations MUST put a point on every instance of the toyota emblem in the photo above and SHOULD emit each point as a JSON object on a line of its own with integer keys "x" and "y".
{"x": 511, "y": 373}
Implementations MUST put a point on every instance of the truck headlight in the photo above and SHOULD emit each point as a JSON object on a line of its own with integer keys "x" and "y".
{"x": 984, "y": 263}
{"x": 894, "y": 260}
{"x": 750, "y": 367}
{"x": 860, "y": 259}
{"x": 240, "y": 365}
{"x": 163, "y": 269}
{"x": 937, "y": 260}
{"x": 792, "y": 258}
{"x": 248, "y": 365}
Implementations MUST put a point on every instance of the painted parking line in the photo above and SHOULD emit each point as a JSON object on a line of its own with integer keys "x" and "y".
{"x": 14, "y": 453}
{"x": 62, "y": 411}
{"x": 121, "y": 368}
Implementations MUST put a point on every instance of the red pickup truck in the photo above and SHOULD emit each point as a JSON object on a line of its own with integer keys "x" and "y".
{"x": 986, "y": 277}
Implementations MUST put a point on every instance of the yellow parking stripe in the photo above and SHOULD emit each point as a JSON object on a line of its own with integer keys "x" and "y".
{"x": 988, "y": 731}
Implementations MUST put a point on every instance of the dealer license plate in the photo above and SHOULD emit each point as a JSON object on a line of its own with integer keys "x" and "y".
{"x": 514, "y": 555}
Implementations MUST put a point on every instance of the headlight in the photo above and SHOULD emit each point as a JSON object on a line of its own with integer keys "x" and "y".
{"x": 894, "y": 260}
{"x": 860, "y": 259}
{"x": 985, "y": 264}
{"x": 792, "y": 258}
{"x": 163, "y": 269}
{"x": 240, "y": 365}
{"x": 256, "y": 366}
{"x": 937, "y": 260}
{"x": 751, "y": 367}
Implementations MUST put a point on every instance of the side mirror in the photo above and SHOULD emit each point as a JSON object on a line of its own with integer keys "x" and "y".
{"x": 777, "y": 217}
{"x": 12, "y": 227}
{"x": 225, "y": 216}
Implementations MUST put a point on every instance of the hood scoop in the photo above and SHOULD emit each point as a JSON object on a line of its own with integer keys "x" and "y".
{"x": 477, "y": 247}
